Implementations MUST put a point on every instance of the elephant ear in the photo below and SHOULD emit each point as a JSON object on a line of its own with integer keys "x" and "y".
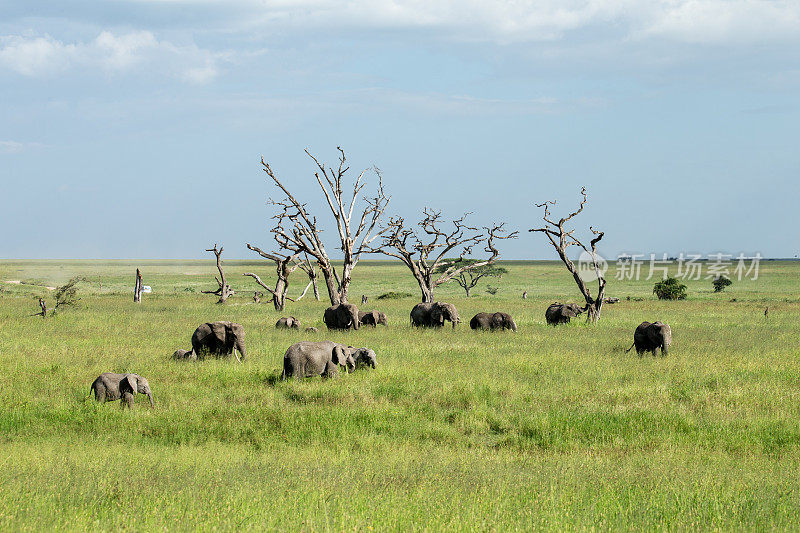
{"x": 338, "y": 357}
{"x": 376, "y": 317}
{"x": 220, "y": 330}
{"x": 654, "y": 334}
{"x": 436, "y": 315}
{"x": 128, "y": 384}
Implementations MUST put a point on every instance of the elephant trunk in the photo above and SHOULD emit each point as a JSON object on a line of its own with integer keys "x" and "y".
{"x": 242, "y": 350}
{"x": 150, "y": 396}
{"x": 513, "y": 326}
{"x": 664, "y": 350}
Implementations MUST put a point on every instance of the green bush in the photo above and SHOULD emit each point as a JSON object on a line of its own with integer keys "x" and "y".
{"x": 720, "y": 282}
{"x": 670, "y": 289}
{"x": 391, "y": 295}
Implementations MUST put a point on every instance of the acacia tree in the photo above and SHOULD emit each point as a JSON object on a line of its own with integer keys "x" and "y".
{"x": 224, "y": 290}
{"x": 423, "y": 251}
{"x": 561, "y": 239}
{"x": 468, "y": 279}
{"x": 296, "y": 229}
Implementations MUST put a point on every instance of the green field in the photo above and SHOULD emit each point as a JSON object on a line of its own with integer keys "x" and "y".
{"x": 548, "y": 428}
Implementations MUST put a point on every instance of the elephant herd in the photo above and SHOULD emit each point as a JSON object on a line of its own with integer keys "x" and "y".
{"x": 309, "y": 359}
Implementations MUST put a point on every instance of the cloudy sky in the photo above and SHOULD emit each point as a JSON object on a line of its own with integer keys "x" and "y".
{"x": 135, "y": 128}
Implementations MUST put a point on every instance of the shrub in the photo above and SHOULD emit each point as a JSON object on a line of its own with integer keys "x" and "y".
{"x": 492, "y": 290}
{"x": 670, "y": 289}
{"x": 720, "y": 282}
{"x": 391, "y": 295}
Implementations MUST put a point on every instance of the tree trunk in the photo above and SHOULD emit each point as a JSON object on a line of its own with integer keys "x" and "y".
{"x": 43, "y": 305}
{"x": 279, "y": 296}
{"x": 137, "y": 287}
{"x": 330, "y": 282}
{"x": 427, "y": 293}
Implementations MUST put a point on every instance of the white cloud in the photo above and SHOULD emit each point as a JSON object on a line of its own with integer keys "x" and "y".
{"x": 109, "y": 52}
{"x": 14, "y": 147}
{"x": 507, "y": 21}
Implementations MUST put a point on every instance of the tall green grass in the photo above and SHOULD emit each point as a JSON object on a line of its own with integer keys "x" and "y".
{"x": 548, "y": 428}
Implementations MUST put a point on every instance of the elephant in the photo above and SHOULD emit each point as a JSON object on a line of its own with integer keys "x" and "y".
{"x": 288, "y": 322}
{"x": 311, "y": 329}
{"x": 373, "y": 318}
{"x": 109, "y": 387}
{"x": 180, "y": 355}
{"x": 650, "y": 337}
{"x": 309, "y": 359}
{"x": 558, "y": 313}
{"x": 433, "y": 314}
{"x": 219, "y": 339}
{"x": 493, "y": 321}
{"x": 341, "y": 316}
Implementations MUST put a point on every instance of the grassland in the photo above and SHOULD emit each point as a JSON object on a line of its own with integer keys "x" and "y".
{"x": 548, "y": 428}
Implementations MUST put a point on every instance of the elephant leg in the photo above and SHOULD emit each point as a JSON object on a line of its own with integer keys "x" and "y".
{"x": 100, "y": 393}
{"x": 127, "y": 400}
{"x": 331, "y": 370}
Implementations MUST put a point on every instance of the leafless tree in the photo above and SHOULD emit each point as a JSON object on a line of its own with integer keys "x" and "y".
{"x": 224, "y": 290}
{"x": 311, "y": 271}
{"x": 296, "y": 230}
{"x": 562, "y": 238}
{"x": 424, "y": 250}
{"x": 285, "y": 265}
{"x": 137, "y": 288}
{"x": 66, "y": 296}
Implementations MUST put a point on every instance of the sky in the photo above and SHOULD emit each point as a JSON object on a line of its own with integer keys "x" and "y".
{"x": 135, "y": 128}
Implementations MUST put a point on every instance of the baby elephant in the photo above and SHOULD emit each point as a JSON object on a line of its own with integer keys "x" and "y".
{"x": 493, "y": 321}
{"x": 181, "y": 355}
{"x": 650, "y": 337}
{"x": 309, "y": 359}
{"x": 109, "y": 387}
{"x": 373, "y": 318}
{"x": 288, "y": 323}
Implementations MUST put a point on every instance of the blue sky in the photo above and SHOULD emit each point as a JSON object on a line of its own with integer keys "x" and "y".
{"x": 135, "y": 128}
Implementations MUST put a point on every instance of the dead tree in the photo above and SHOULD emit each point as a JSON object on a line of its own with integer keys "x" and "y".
{"x": 66, "y": 296}
{"x": 224, "y": 290}
{"x": 257, "y": 296}
{"x": 311, "y": 271}
{"x": 43, "y": 306}
{"x": 296, "y": 230}
{"x": 424, "y": 251}
{"x": 286, "y": 264}
{"x": 561, "y": 239}
{"x": 137, "y": 287}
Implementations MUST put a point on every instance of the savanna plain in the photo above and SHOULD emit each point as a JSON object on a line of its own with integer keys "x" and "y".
{"x": 545, "y": 428}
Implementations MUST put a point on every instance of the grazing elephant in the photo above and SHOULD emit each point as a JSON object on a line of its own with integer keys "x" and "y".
{"x": 373, "y": 318}
{"x": 288, "y": 322}
{"x": 558, "y": 313}
{"x": 493, "y": 321}
{"x": 219, "y": 339}
{"x": 434, "y": 314}
{"x": 109, "y": 387}
{"x": 312, "y": 329}
{"x": 308, "y": 359}
{"x": 180, "y": 355}
{"x": 650, "y": 337}
{"x": 341, "y": 316}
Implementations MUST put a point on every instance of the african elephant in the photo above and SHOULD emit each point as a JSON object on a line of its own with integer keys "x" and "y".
{"x": 109, "y": 387}
{"x": 288, "y": 322}
{"x": 219, "y": 339}
{"x": 558, "y": 313}
{"x": 308, "y": 359}
{"x": 650, "y": 337}
{"x": 433, "y": 314}
{"x": 493, "y": 321}
{"x": 180, "y": 355}
{"x": 341, "y": 316}
{"x": 311, "y": 329}
{"x": 373, "y": 318}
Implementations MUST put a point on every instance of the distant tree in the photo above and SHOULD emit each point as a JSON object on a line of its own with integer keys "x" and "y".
{"x": 492, "y": 289}
{"x": 469, "y": 278}
{"x": 424, "y": 250}
{"x": 562, "y": 238}
{"x": 224, "y": 291}
{"x": 670, "y": 289}
{"x": 720, "y": 282}
{"x": 66, "y": 296}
